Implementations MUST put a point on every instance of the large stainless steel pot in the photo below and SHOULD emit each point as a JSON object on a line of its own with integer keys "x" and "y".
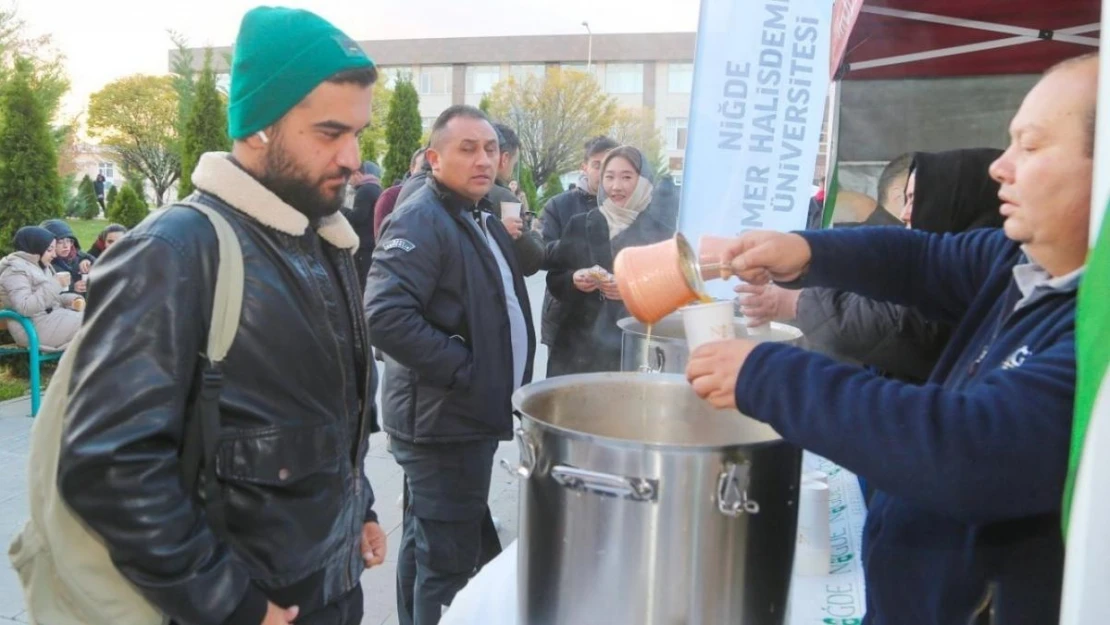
{"x": 667, "y": 351}
{"x": 641, "y": 504}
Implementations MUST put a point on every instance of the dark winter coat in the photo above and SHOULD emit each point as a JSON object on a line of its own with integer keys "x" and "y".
{"x": 436, "y": 307}
{"x": 556, "y": 214}
{"x": 587, "y": 338}
{"x": 72, "y": 265}
{"x": 362, "y": 220}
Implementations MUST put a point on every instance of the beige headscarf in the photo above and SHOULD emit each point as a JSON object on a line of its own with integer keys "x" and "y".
{"x": 621, "y": 217}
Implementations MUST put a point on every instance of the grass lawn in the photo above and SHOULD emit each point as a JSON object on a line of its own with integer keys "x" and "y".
{"x": 87, "y": 230}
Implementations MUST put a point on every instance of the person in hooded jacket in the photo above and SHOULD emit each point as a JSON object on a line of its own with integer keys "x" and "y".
{"x": 955, "y": 193}
{"x": 367, "y": 187}
{"x": 30, "y": 286}
{"x": 632, "y": 213}
{"x": 108, "y": 237}
{"x": 69, "y": 257}
{"x": 558, "y": 212}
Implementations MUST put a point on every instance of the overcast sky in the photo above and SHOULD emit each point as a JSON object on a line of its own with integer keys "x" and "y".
{"x": 107, "y": 39}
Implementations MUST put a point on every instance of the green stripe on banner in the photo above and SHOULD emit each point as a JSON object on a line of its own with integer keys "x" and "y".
{"x": 1092, "y": 352}
{"x": 832, "y": 187}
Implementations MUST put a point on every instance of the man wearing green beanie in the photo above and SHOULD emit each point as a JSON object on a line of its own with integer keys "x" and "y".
{"x": 283, "y": 525}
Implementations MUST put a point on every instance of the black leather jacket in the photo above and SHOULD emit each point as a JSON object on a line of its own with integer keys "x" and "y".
{"x": 295, "y": 412}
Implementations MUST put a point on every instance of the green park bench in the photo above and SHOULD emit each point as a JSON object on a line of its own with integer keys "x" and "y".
{"x": 35, "y": 355}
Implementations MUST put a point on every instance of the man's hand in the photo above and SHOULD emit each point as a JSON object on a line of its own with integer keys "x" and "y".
{"x": 85, "y": 266}
{"x": 584, "y": 281}
{"x": 760, "y": 256}
{"x": 515, "y": 226}
{"x": 764, "y": 304}
{"x": 714, "y": 368}
{"x": 279, "y": 616}
{"x": 373, "y": 545}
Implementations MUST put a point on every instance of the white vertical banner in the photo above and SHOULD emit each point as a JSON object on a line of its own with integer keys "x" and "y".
{"x": 760, "y": 81}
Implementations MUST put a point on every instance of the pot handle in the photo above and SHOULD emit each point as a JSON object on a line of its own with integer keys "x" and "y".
{"x": 732, "y": 490}
{"x": 660, "y": 361}
{"x": 527, "y": 456}
{"x": 605, "y": 484}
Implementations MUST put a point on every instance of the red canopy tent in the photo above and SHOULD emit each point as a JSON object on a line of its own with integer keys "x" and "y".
{"x": 914, "y": 39}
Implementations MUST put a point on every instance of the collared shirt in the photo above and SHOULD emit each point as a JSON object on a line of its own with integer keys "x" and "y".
{"x": 1035, "y": 283}
{"x": 518, "y": 326}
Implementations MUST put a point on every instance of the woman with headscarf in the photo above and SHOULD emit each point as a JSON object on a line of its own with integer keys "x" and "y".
{"x": 630, "y": 213}
{"x": 69, "y": 257}
{"x": 30, "y": 286}
{"x": 947, "y": 192}
{"x": 108, "y": 237}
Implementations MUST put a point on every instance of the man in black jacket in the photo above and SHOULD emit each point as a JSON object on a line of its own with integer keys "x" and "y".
{"x": 285, "y": 526}
{"x": 557, "y": 213}
{"x": 448, "y": 306}
{"x": 527, "y": 244}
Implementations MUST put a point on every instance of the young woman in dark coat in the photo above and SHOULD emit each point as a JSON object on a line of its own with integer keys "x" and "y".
{"x": 631, "y": 213}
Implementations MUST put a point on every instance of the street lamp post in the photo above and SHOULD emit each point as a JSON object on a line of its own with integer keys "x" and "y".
{"x": 590, "y": 53}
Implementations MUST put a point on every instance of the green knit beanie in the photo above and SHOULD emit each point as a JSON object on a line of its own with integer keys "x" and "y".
{"x": 280, "y": 56}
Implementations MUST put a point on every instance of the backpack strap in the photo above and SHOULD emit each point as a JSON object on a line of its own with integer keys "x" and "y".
{"x": 202, "y": 437}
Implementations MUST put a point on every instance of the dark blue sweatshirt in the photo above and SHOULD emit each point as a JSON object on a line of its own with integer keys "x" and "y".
{"x": 969, "y": 467}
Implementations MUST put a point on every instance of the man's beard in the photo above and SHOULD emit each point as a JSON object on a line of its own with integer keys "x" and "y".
{"x": 286, "y": 180}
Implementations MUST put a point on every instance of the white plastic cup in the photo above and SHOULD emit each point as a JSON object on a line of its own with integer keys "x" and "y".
{"x": 813, "y": 551}
{"x": 815, "y": 476}
{"x": 706, "y": 323}
{"x": 510, "y": 209}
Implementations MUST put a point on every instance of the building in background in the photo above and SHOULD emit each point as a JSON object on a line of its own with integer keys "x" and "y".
{"x": 649, "y": 70}
{"x": 91, "y": 160}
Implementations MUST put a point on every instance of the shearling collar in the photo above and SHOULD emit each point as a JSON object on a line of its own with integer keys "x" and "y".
{"x": 216, "y": 174}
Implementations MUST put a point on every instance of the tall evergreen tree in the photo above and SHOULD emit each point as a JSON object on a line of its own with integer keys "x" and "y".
{"x": 402, "y": 131}
{"x": 206, "y": 129}
{"x": 553, "y": 187}
{"x": 110, "y": 200}
{"x": 87, "y": 206}
{"x": 30, "y": 188}
{"x": 130, "y": 209}
{"x": 528, "y": 185}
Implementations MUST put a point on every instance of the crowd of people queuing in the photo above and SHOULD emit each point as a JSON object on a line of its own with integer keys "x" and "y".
{"x": 941, "y": 360}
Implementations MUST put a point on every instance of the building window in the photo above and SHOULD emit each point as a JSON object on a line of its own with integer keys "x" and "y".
{"x": 624, "y": 78}
{"x": 108, "y": 170}
{"x": 680, "y": 77}
{"x": 480, "y": 79}
{"x": 390, "y": 75}
{"x": 223, "y": 83}
{"x": 522, "y": 72}
{"x": 676, "y": 133}
{"x": 435, "y": 80}
{"x": 426, "y": 123}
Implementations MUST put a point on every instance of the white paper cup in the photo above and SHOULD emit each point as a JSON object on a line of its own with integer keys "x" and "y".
{"x": 812, "y": 553}
{"x": 815, "y": 476}
{"x": 706, "y": 323}
{"x": 510, "y": 209}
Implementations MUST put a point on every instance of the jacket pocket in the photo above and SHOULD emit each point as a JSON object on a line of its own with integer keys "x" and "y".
{"x": 279, "y": 456}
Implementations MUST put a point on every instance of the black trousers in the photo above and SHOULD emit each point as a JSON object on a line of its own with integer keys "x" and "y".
{"x": 448, "y": 533}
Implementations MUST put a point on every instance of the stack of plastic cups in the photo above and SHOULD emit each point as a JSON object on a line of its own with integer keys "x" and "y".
{"x": 813, "y": 551}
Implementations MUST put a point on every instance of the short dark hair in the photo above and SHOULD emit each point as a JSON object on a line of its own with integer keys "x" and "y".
{"x": 507, "y": 139}
{"x": 363, "y": 76}
{"x": 599, "y": 145}
{"x": 458, "y": 110}
{"x": 1092, "y": 113}
{"x": 899, "y": 166}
